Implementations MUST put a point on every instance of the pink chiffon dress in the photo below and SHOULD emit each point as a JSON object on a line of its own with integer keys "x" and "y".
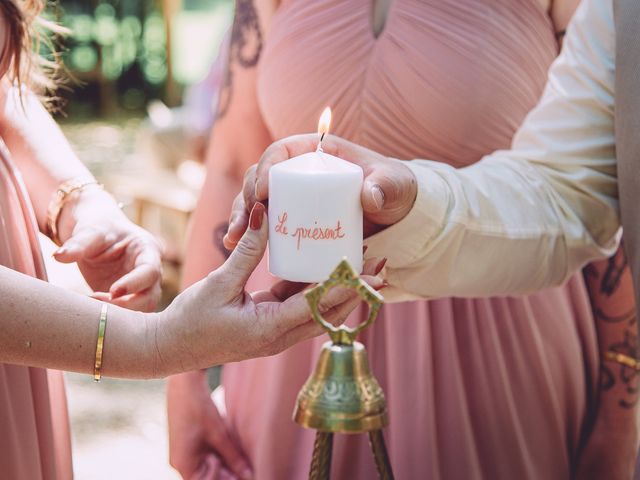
{"x": 34, "y": 427}
{"x": 490, "y": 388}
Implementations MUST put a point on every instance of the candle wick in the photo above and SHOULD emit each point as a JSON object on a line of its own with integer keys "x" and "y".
{"x": 319, "y": 149}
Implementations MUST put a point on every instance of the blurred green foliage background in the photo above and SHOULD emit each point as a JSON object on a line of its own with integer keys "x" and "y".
{"x": 123, "y": 53}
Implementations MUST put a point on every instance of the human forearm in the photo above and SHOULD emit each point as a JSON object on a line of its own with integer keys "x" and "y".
{"x": 612, "y": 444}
{"x": 38, "y": 147}
{"x": 45, "y": 326}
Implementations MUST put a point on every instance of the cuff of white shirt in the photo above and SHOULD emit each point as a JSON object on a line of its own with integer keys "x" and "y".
{"x": 403, "y": 242}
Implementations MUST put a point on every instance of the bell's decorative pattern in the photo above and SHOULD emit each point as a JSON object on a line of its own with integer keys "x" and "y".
{"x": 342, "y": 395}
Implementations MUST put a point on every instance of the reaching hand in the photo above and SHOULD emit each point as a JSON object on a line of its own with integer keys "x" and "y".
{"x": 216, "y": 321}
{"x": 388, "y": 193}
{"x": 120, "y": 261}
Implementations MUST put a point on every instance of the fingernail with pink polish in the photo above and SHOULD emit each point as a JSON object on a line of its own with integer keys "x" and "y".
{"x": 257, "y": 213}
{"x": 380, "y": 266}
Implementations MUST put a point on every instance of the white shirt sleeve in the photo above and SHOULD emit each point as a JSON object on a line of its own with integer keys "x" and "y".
{"x": 524, "y": 219}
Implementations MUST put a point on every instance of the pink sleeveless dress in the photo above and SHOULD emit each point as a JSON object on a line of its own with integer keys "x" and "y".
{"x": 34, "y": 427}
{"x": 495, "y": 388}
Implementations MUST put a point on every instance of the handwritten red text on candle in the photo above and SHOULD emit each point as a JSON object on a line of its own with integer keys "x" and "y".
{"x": 312, "y": 233}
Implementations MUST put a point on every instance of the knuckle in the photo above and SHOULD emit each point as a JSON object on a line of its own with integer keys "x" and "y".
{"x": 250, "y": 172}
{"x": 273, "y": 149}
{"x": 268, "y": 337}
{"x": 248, "y": 247}
{"x": 325, "y": 305}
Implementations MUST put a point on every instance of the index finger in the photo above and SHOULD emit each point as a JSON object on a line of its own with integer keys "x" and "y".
{"x": 146, "y": 271}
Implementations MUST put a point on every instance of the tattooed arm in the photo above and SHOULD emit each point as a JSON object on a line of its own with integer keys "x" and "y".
{"x": 610, "y": 450}
{"x": 199, "y": 439}
{"x": 238, "y": 138}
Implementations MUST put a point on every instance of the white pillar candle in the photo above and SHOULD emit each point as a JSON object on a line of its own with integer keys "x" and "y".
{"x": 315, "y": 216}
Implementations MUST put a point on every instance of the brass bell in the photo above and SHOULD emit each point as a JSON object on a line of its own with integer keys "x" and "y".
{"x": 342, "y": 395}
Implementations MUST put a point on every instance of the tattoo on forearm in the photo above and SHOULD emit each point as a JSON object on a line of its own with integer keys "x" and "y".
{"x": 244, "y": 49}
{"x": 628, "y": 317}
{"x": 612, "y": 276}
{"x": 218, "y": 236}
{"x": 603, "y": 285}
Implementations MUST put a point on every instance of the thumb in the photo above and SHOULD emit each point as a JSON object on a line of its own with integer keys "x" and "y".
{"x": 249, "y": 251}
{"x": 389, "y": 192}
{"x": 87, "y": 243}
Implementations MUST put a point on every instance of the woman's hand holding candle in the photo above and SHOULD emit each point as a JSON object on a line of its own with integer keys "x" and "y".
{"x": 388, "y": 192}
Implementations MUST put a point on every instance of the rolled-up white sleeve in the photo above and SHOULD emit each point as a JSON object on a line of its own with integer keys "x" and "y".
{"x": 527, "y": 218}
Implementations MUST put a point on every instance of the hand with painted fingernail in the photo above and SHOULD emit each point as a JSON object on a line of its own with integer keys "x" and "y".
{"x": 120, "y": 261}
{"x": 245, "y": 325}
{"x": 388, "y": 192}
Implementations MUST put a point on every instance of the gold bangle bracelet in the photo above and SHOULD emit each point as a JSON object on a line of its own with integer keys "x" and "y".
{"x": 622, "y": 359}
{"x": 97, "y": 374}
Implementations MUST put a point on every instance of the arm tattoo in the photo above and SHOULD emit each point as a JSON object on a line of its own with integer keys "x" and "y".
{"x": 218, "y": 235}
{"x": 628, "y": 376}
{"x": 603, "y": 285}
{"x": 612, "y": 275}
{"x": 244, "y": 49}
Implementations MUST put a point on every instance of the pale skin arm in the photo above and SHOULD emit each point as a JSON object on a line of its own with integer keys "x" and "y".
{"x": 119, "y": 260}
{"x": 39, "y": 148}
{"x": 238, "y": 138}
{"x": 55, "y": 328}
{"x": 214, "y": 321}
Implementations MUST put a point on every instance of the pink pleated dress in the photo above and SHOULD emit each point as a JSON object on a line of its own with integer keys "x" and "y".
{"x": 494, "y": 388}
{"x": 34, "y": 426}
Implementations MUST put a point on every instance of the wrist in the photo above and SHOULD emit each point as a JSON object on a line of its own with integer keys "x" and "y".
{"x": 81, "y": 203}
{"x": 64, "y": 194}
{"x": 175, "y": 343}
{"x": 154, "y": 344}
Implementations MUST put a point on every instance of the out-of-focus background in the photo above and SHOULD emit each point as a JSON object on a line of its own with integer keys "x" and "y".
{"x": 138, "y": 110}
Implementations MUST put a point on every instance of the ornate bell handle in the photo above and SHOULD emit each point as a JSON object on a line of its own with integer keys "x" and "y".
{"x": 344, "y": 276}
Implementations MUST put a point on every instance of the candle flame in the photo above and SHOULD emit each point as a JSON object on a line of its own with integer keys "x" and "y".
{"x": 324, "y": 122}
